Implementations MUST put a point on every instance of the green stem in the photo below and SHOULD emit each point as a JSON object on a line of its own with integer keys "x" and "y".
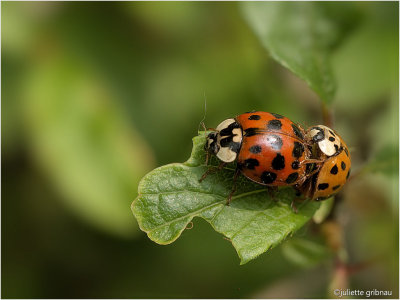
{"x": 327, "y": 115}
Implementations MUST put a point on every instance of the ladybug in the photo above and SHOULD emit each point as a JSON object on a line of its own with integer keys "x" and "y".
{"x": 334, "y": 169}
{"x": 269, "y": 148}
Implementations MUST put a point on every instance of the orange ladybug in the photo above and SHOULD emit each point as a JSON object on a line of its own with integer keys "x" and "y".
{"x": 272, "y": 150}
{"x": 334, "y": 169}
{"x": 269, "y": 148}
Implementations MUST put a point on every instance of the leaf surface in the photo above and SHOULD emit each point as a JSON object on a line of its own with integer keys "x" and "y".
{"x": 255, "y": 221}
{"x": 298, "y": 36}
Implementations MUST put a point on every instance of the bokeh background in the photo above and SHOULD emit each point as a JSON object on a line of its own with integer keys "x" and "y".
{"x": 94, "y": 95}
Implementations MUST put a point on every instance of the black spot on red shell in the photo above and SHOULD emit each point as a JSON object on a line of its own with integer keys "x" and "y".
{"x": 298, "y": 150}
{"x": 275, "y": 142}
{"x": 343, "y": 165}
{"x": 274, "y": 125}
{"x": 336, "y": 187}
{"x": 251, "y": 131}
{"x": 277, "y": 116}
{"x": 297, "y": 131}
{"x": 278, "y": 163}
{"x": 336, "y": 148}
{"x": 292, "y": 177}
{"x": 255, "y": 117}
{"x": 295, "y": 165}
{"x": 334, "y": 170}
{"x": 331, "y": 132}
{"x": 251, "y": 163}
{"x": 323, "y": 186}
{"x": 331, "y": 138}
{"x": 255, "y": 149}
{"x": 268, "y": 177}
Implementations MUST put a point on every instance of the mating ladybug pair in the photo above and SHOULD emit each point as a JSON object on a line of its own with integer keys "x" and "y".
{"x": 272, "y": 150}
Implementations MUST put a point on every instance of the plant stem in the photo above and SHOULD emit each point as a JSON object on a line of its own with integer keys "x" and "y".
{"x": 327, "y": 115}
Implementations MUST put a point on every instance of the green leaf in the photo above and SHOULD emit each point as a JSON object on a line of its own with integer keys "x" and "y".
{"x": 298, "y": 36}
{"x": 170, "y": 196}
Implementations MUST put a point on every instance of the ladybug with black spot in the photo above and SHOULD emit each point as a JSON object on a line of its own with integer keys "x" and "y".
{"x": 269, "y": 148}
{"x": 334, "y": 168}
{"x": 273, "y": 151}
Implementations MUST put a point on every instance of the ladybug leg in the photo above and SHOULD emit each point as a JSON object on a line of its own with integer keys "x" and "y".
{"x": 310, "y": 161}
{"x": 207, "y": 157}
{"x": 228, "y": 201}
{"x": 316, "y": 170}
{"x": 212, "y": 170}
{"x": 298, "y": 192}
{"x": 293, "y": 206}
{"x": 302, "y": 195}
{"x": 299, "y": 198}
{"x": 271, "y": 192}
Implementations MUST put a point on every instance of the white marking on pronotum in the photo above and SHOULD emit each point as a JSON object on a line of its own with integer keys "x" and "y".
{"x": 237, "y": 135}
{"x": 225, "y": 124}
{"x": 326, "y": 146}
{"x": 225, "y": 154}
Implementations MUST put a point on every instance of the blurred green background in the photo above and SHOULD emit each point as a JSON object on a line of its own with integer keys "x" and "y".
{"x": 94, "y": 95}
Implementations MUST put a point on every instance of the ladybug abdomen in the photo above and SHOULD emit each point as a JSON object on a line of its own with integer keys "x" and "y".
{"x": 272, "y": 159}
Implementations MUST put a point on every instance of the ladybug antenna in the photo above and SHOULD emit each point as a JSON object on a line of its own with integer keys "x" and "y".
{"x": 204, "y": 117}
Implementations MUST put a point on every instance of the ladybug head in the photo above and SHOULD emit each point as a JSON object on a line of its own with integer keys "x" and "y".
{"x": 225, "y": 142}
{"x": 211, "y": 144}
{"x": 327, "y": 140}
